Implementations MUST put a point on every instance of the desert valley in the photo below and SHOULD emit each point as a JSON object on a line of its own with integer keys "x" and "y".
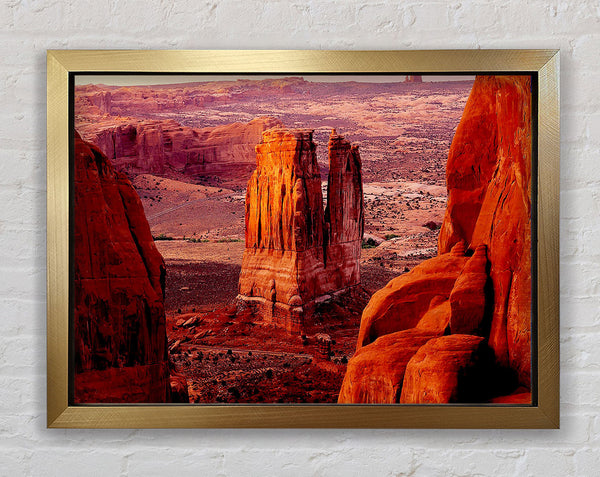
{"x": 278, "y": 211}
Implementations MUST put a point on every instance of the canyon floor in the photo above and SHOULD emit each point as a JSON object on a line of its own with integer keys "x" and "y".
{"x": 226, "y": 354}
{"x": 404, "y": 133}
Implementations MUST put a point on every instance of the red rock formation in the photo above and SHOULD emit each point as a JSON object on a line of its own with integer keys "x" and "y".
{"x": 413, "y": 79}
{"x": 468, "y": 297}
{"x": 165, "y": 147}
{"x": 487, "y": 294}
{"x": 377, "y": 371}
{"x": 489, "y": 203}
{"x": 284, "y": 226}
{"x": 403, "y": 302}
{"x": 294, "y": 251}
{"x": 446, "y": 369}
{"x": 344, "y": 214}
{"x": 142, "y": 101}
{"x": 437, "y": 317}
{"x": 119, "y": 322}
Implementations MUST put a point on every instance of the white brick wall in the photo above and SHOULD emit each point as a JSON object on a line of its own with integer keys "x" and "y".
{"x": 30, "y": 27}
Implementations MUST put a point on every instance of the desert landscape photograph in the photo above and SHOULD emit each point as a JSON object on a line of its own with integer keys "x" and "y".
{"x": 302, "y": 239}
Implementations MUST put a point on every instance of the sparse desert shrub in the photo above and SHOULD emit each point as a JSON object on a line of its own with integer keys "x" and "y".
{"x": 391, "y": 236}
{"x": 162, "y": 236}
{"x": 431, "y": 225}
{"x": 369, "y": 243}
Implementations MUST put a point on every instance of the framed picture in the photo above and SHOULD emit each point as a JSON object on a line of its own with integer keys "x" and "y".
{"x": 303, "y": 239}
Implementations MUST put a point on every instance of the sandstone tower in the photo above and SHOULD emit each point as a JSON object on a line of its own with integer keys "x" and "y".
{"x": 297, "y": 251}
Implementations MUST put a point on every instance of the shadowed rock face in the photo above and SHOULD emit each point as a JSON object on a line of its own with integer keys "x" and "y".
{"x": 478, "y": 289}
{"x": 295, "y": 251}
{"x": 120, "y": 340}
{"x": 447, "y": 369}
{"x": 165, "y": 147}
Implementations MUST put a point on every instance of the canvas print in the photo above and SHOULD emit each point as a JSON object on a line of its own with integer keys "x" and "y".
{"x": 302, "y": 239}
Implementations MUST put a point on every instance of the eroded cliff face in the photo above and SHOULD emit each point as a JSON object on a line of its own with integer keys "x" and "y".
{"x": 475, "y": 297}
{"x": 489, "y": 203}
{"x": 295, "y": 251}
{"x": 165, "y": 147}
{"x": 344, "y": 214}
{"x": 120, "y": 342}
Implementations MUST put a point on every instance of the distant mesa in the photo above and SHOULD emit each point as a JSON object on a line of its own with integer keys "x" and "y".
{"x": 119, "y": 327}
{"x": 296, "y": 252}
{"x": 413, "y": 79}
{"x": 457, "y": 328}
{"x": 166, "y": 148}
{"x": 144, "y": 101}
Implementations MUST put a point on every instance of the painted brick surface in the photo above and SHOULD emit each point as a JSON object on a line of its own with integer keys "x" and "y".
{"x": 28, "y": 28}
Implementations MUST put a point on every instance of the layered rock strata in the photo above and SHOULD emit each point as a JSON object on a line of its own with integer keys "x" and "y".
{"x": 119, "y": 334}
{"x": 474, "y": 299}
{"x": 297, "y": 252}
{"x": 164, "y": 147}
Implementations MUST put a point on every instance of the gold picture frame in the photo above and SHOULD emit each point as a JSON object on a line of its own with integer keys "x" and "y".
{"x": 542, "y": 64}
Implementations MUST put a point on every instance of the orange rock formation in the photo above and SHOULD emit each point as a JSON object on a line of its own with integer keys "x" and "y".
{"x": 489, "y": 203}
{"x": 295, "y": 251}
{"x": 450, "y": 368}
{"x": 478, "y": 289}
{"x": 120, "y": 339}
